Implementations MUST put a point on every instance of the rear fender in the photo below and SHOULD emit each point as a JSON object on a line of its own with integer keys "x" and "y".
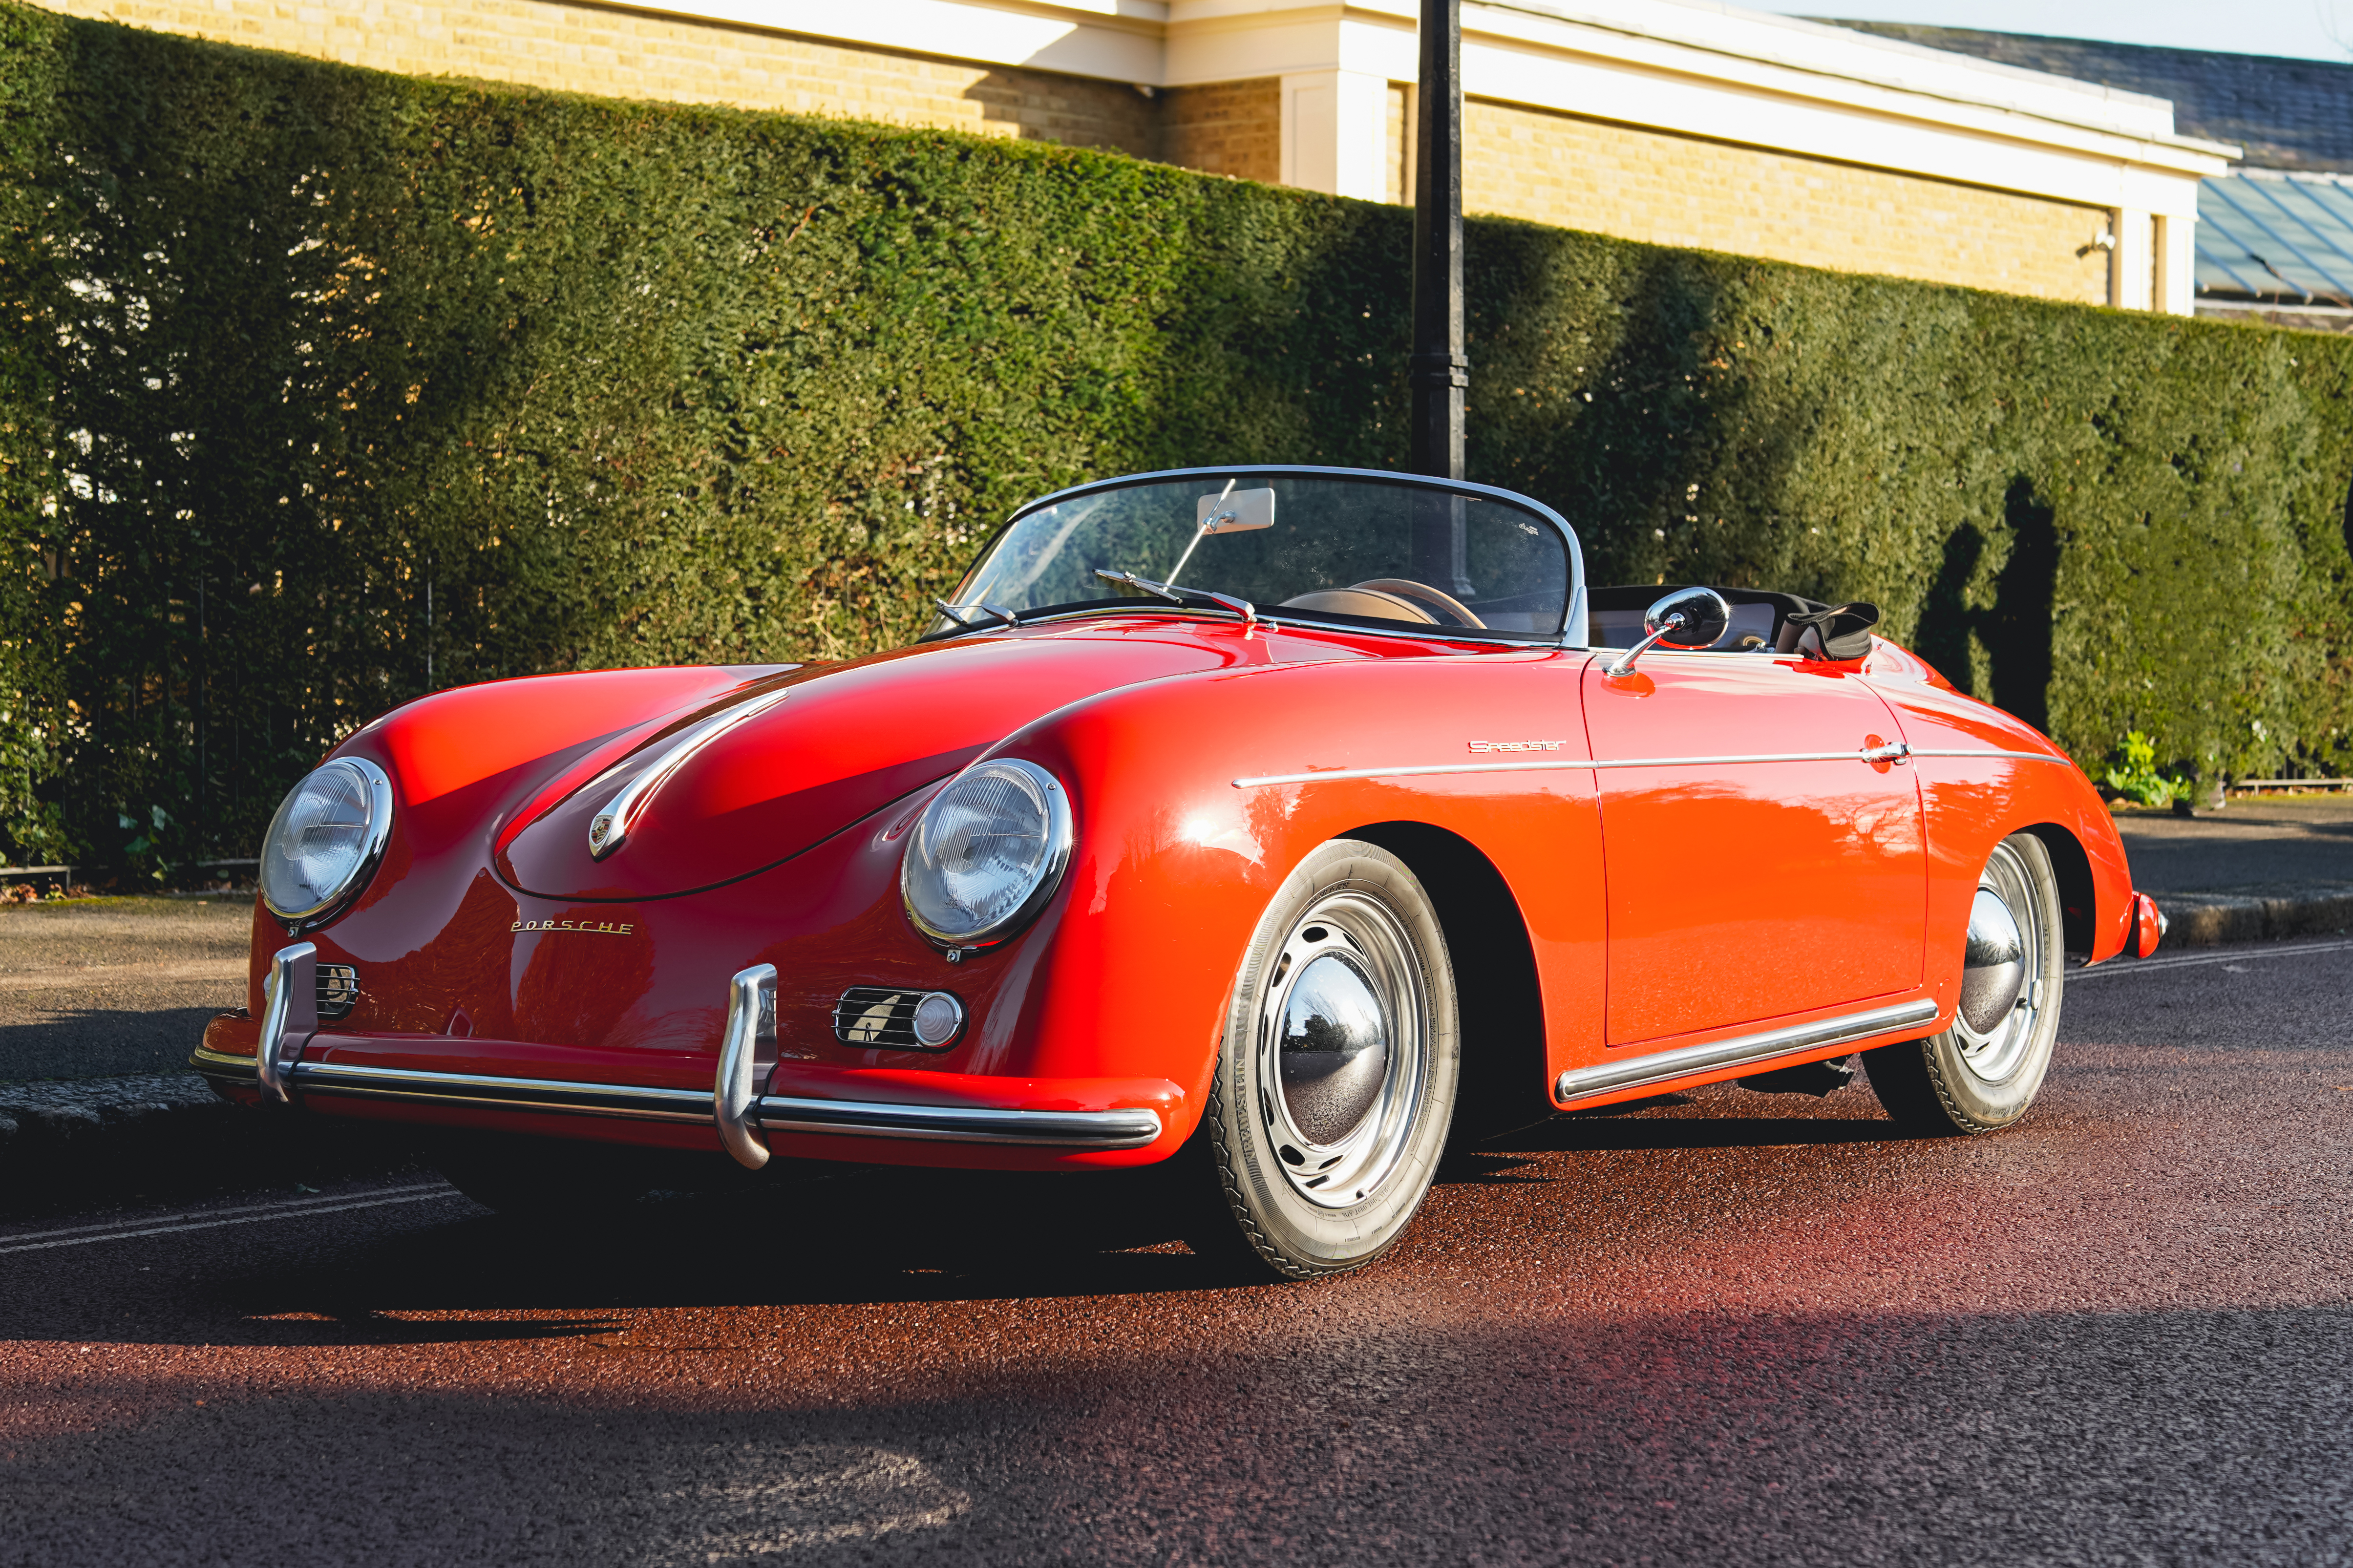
{"x": 2013, "y": 781}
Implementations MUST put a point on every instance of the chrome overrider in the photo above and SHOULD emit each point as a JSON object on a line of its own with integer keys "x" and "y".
{"x": 292, "y": 1008}
{"x": 739, "y": 1115}
{"x": 732, "y": 1094}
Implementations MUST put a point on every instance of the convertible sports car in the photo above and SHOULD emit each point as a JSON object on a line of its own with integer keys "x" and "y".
{"x": 1273, "y": 821}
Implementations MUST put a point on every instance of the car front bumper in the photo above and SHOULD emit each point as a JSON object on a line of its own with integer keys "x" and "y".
{"x": 442, "y": 1079}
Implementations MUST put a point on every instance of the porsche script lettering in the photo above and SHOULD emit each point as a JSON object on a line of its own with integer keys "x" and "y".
{"x": 594, "y": 927}
{"x": 1516, "y": 746}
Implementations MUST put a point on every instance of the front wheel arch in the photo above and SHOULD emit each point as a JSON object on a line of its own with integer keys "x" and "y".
{"x": 2078, "y": 895}
{"x": 1497, "y": 991}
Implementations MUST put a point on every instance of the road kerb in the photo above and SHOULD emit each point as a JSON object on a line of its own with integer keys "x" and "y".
{"x": 2261, "y": 913}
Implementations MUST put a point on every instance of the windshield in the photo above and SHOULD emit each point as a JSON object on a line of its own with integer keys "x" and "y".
{"x": 1324, "y": 544}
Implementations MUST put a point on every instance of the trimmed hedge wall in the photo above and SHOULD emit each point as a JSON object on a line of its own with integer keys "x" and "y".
{"x": 323, "y": 386}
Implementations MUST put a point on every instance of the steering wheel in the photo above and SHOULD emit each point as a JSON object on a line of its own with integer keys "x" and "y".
{"x": 1444, "y": 609}
{"x": 1390, "y": 599}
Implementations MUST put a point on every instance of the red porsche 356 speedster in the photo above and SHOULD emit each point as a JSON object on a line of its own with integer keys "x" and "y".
{"x": 1261, "y": 819}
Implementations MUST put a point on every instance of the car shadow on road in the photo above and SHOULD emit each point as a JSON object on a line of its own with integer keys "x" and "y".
{"x": 1719, "y": 1116}
{"x": 858, "y": 1238}
{"x": 1579, "y": 1135}
{"x": 866, "y": 1236}
{"x": 829, "y": 1236}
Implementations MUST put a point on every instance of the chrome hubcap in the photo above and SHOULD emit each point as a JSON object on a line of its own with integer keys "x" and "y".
{"x": 1343, "y": 1048}
{"x": 2002, "y": 984}
{"x": 1993, "y": 970}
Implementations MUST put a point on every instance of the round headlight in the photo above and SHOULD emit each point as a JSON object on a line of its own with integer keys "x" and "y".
{"x": 986, "y": 853}
{"x": 326, "y": 839}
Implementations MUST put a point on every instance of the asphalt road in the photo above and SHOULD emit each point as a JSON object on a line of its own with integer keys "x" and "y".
{"x": 2252, "y": 841}
{"x": 1739, "y": 1330}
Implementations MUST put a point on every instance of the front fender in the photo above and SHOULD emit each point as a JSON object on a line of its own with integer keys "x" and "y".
{"x": 1133, "y": 961}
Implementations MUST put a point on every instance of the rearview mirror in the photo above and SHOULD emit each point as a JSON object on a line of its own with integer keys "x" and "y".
{"x": 1686, "y": 618}
{"x": 1689, "y": 618}
{"x": 1236, "y": 511}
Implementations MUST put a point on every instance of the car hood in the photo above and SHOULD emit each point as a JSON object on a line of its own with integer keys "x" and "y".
{"x": 809, "y": 753}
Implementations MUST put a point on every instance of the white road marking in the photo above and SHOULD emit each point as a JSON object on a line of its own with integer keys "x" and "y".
{"x": 273, "y": 1207}
{"x": 2148, "y": 965}
{"x": 124, "y": 1230}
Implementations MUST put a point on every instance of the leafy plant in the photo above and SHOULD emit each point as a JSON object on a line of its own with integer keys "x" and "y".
{"x": 2135, "y": 775}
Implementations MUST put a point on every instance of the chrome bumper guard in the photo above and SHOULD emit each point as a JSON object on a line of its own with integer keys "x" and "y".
{"x": 292, "y": 1007}
{"x": 740, "y": 1116}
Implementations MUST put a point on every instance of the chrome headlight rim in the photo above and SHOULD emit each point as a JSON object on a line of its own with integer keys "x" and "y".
{"x": 378, "y": 785}
{"x": 1061, "y": 837}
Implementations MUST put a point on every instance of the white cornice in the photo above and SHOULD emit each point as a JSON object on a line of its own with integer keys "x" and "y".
{"x": 1754, "y": 44}
{"x": 1119, "y": 41}
{"x": 1692, "y": 66}
{"x": 1710, "y": 46}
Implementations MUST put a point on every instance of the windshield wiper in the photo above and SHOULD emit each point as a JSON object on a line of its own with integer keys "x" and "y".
{"x": 1175, "y": 596}
{"x": 956, "y": 613}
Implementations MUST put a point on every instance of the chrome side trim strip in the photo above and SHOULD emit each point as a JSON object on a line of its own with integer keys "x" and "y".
{"x": 610, "y": 825}
{"x": 963, "y": 1124}
{"x": 1565, "y": 764}
{"x": 1583, "y": 1083}
{"x": 732, "y": 1092}
{"x": 510, "y": 1093}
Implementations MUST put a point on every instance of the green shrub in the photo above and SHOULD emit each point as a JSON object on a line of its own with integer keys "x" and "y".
{"x": 2133, "y": 773}
{"x": 324, "y": 387}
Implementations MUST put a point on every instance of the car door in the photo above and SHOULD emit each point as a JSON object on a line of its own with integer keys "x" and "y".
{"x": 1754, "y": 864}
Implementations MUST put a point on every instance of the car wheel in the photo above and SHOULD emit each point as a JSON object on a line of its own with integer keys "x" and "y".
{"x": 1982, "y": 1073}
{"x": 544, "y": 1179}
{"x": 1336, "y": 1075}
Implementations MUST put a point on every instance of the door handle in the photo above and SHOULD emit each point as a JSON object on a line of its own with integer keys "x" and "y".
{"x": 1894, "y": 752}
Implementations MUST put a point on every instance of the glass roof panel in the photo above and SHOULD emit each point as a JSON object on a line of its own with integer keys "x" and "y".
{"x": 2267, "y": 235}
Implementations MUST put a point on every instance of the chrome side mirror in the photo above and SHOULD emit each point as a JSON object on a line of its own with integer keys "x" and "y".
{"x": 1686, "y": 618}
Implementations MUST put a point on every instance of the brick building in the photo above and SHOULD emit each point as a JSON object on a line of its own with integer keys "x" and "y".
{"x": 1676, "y": 121}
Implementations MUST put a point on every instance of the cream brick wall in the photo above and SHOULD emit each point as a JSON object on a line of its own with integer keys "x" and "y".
{"x": 1228, "y": 127}
{"x": 627, "y": 54}
{"x": 1678, "y": 190}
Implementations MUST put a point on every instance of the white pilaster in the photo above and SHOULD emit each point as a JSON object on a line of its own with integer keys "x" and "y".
{"x": 1335, "y": 133}
{"x": 2176, "y": 263}
{"x": 2132, "y": 263}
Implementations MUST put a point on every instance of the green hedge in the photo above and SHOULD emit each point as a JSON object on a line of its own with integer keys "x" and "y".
{"x": 296, "y": 351}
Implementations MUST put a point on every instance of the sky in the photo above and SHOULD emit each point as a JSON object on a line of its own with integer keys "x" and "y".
{"x": 2309, "y": 29}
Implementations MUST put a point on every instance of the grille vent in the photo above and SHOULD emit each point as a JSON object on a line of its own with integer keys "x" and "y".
{"x": 877, "y": 1018}
{"x": 338, "y": 990}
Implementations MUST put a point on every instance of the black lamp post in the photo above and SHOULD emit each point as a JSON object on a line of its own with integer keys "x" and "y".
{"x": 1440, "y": 370}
